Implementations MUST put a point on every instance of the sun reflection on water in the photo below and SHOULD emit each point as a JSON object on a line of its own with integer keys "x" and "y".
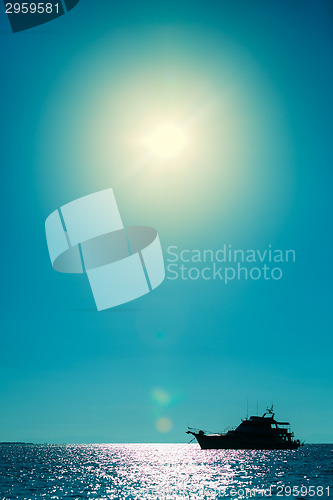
{"x": 153, "y": 471}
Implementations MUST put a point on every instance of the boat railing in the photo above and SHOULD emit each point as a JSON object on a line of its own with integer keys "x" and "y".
{"x": 196, "y": 430}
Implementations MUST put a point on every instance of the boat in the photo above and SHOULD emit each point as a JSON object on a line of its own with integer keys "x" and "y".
{"x": 253, "y": 433}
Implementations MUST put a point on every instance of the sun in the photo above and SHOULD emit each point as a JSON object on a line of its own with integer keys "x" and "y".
{"x": 166, "y": 141}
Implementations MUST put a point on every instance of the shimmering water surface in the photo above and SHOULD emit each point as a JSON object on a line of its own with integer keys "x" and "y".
{"x": 162, "y": 471}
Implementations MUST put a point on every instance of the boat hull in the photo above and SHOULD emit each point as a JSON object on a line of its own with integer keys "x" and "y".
{"x": 207, "y": 442}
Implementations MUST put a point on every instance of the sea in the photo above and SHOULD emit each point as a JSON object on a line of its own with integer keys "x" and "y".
{"x": 162, "y": 471}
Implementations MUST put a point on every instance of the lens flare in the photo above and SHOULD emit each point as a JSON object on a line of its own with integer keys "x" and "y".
{"x": 163, "y": 425}
{"x": 161, "y": 396}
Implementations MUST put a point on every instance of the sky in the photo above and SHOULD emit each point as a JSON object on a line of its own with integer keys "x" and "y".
{"x": 249, "y": 84}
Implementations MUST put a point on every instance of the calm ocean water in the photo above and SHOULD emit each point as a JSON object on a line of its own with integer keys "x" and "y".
{"x": 162, "y": 471}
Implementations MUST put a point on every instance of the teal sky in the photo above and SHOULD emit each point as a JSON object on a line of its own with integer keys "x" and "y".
{"x": 252, "y": 81}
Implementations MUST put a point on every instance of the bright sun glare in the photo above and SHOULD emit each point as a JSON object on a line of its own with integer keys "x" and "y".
{"x": 166, "y": 141}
